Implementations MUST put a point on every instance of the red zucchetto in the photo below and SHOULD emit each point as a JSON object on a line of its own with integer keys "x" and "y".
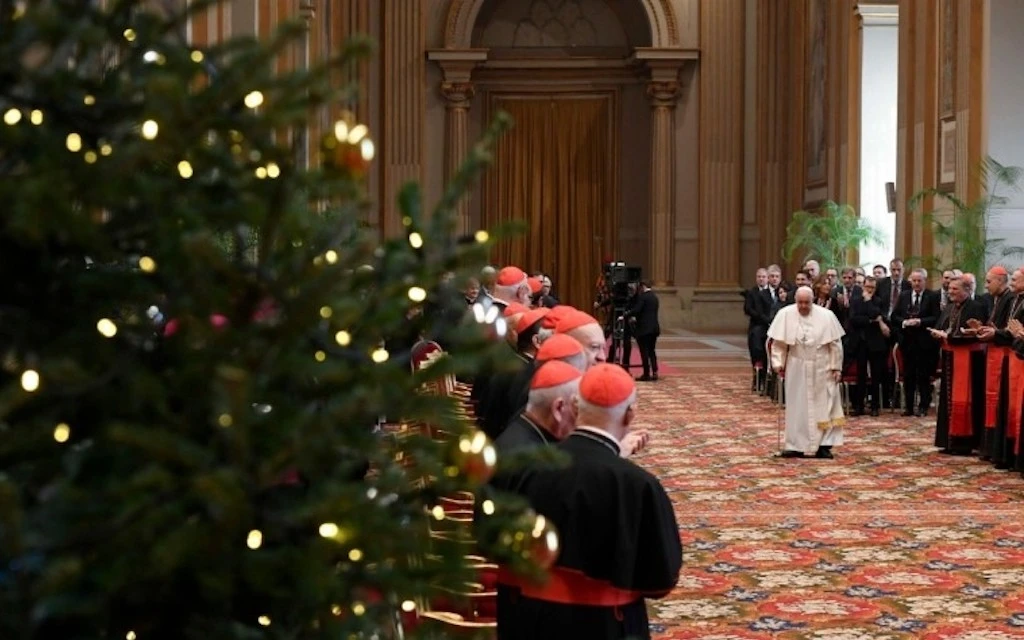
{"x": 514, "y": 309}
{"x": 510, "y": 276}
{"x": 558, "y": 347}
{"x": 572, "y": 321}
{"x": 529, "y": 318}
{"x": 606, "y": 385}
{"x": 554, "y": 374}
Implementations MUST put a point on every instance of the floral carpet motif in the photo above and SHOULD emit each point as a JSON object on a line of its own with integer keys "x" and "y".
{"x": 889, "y": 540}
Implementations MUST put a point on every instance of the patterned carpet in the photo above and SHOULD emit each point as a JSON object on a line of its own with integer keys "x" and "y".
{"x": 889, "y": 540}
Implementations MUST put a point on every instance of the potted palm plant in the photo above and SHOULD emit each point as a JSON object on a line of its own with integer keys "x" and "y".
{"x": 828, "y": 235}
{"x": 962, "y": 228}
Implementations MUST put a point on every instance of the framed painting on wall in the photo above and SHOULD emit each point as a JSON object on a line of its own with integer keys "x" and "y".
{"x": 816, "y": 96}
{"x": 947, "y": 155}
{"x": 947, "y": 59}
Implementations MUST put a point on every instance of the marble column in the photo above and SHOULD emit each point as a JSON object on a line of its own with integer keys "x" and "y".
{"x": 457, "y": 89}
{"x": 716, "y": 301}
{"x": 663, "y": 95}
{"x": 458, "y": 96}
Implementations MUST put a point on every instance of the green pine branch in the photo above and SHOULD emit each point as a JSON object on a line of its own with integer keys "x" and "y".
{"x": 183, "y": 373}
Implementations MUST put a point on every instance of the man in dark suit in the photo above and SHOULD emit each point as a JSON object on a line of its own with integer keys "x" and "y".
{"x": 888, "y": 293}
{"x": 915, "y": 313}
{"x": 890, "y": 288}
{"x": 644, "y": 315}
{"x": 757, "y": 305}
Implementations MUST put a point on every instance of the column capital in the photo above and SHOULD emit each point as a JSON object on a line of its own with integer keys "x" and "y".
{"x": 664, "y": 93}
{"x": 457, "y": 95}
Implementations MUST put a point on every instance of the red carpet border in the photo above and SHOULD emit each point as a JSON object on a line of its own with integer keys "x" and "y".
{"x": 890, "y": 540}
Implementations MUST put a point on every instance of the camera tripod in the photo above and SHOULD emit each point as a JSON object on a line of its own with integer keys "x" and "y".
{"x": 620, "y": 337}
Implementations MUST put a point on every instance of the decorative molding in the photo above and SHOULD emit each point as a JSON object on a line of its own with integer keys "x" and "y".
{"x": 664, "y": 93}
{"x": 457, "y": 95}
{"x": 462, "y": 15}
{"x": 878, "y": 15}
{"x": 457, "y": 66}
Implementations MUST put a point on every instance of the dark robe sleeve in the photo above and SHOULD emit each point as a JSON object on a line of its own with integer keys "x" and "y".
{"x": 659, "y": 557}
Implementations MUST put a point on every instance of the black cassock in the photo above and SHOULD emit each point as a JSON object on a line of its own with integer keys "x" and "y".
{"x": 521, "y": 435}
{"x": 500, "y": 409}
{"x": 616, "y": 526}
{"x": 953, "y": 320}
{"x": 1002, "y": 309}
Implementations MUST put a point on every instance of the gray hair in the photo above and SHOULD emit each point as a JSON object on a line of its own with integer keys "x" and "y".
{"x": 540, "y": 400}
{"x": 922, "y": 271}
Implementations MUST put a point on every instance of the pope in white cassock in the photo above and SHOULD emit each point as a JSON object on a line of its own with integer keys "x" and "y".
{"x": 807, "y": 350}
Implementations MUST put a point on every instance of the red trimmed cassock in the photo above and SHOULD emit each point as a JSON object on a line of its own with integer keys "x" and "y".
{"x": 961, "y": 413}
{"x": 619, "y": 537}
{"x": 998, "y": 445}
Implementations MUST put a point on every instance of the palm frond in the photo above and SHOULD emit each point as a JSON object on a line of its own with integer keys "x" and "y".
{"x": 962, "y": 227}
{"x": 829, "y": 234}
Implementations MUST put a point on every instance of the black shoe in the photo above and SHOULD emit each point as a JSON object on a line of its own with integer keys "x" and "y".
{"x": 857, "y": 412}
{"x": 907, "y": 414}
{"x": 654, "y": 378}
{"x": 824, "y": 452}
{"x": 920, "y": 413}
{"x": 788, "y": 453}
{"x": 874, "y": 413}
{"x": 644, "y": 378}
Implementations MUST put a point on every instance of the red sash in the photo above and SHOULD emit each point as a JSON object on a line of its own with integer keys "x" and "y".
{"x": 960, "y": 388}
{"x": 568, "y": 586}
{"x": 995, "y": 357}
{"x": 1016, "y": 400}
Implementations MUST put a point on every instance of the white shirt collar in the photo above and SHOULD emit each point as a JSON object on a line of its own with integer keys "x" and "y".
{"x": 601, "y": 435}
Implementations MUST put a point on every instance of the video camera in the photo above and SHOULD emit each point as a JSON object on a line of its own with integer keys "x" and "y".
{"x": 618, "y": 277}
{"x": 621, "y": 283}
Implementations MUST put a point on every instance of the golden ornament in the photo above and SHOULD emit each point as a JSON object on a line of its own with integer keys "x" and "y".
{"x": 476, "y": 457}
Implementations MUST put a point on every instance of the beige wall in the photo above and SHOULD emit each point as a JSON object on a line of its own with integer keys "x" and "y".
{"x": 741, "y": 128}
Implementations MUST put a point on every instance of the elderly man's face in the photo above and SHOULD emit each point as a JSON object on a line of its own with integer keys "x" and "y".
{"x": 774, "y": 278}
{"x": 994, "y": 283}
{"x": 946, "y": 277}
{"x": 957, "y": 293}
{"x": 831, "y": 275}
{"x": 917, "y": 282}
{"x": 813, "y": 268}
{"x": 591, "y": 337}
{"x": 1017, "y": 281}
{"x": 804, "y": 302}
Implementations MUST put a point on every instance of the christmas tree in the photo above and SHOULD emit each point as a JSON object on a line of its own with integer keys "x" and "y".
{"x": 200, "y": 338}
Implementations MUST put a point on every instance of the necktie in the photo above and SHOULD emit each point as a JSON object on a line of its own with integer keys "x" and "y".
{"x": 917, "y": 299}
{"x": 893, "y": 295}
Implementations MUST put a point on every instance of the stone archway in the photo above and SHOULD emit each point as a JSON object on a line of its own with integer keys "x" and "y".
{"x": 656, "y": 62}
{"x": 462, "y": 17}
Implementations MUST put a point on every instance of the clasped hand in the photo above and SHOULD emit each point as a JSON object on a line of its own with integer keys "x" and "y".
{"x": 634, "y": 442}
{"x": 1016, "y": 328}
